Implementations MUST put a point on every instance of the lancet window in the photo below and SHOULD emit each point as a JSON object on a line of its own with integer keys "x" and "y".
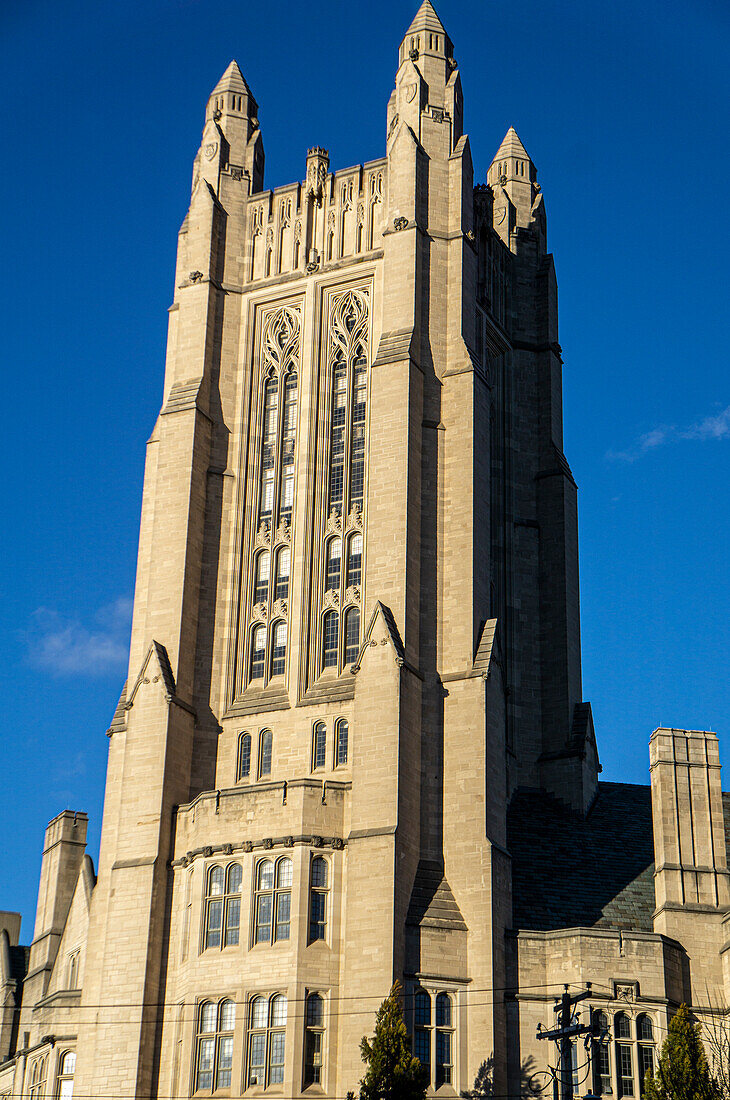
{"x": 270, "y": 549}
{"x": 343, "y": 545}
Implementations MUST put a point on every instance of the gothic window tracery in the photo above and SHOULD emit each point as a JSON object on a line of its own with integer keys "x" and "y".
{"x": 270, "y": 550}
{"x": 343, "y": 544}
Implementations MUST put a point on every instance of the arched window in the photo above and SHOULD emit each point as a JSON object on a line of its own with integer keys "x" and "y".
{"x": 444, "y": 1040}
{"x": 66, "y": 1069}
{"x": 223, "y": 906}
{"x": 319, "y": 745}
{"x": 314, "y": 1040}
{"x": 272, "y": 900}
{"x": 622, "y": 1026}
{"x": 268, "y": 447}
{"x": 337, "y": 435}
{"x": 278, "y": 651}
{"x": 258, "y": 652}
{"x": 601, "y": 1056}
{"x": 342, "y": 731}
{"x": 262, "y": 572}
{"x": 334, "y": 564}
{"x": 216, "y": 1023}
{"x": 422, "y": 1029}
{"x": 37, "y": 1078}
{"x": 318, "y": 890}
{"x": 283, "y": 568}
{"x": 243, "y": 768}
{"x": 354, "y": 561}
{"x": 352, "y": 635}
{"x": 359, "y": 406}
{"x": 645, "y": 1029}
{"x": 330, "y": 639}
{"x": 265, "y": 747}
{"x": 289, "y": 436}
{"x": 645, "y": 1052}
{"x": 266, "y": 1040}
{"x": 624, "y": 1054}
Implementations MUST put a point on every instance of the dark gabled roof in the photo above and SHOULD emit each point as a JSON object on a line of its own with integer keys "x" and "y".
{"x": 572, "y": 872}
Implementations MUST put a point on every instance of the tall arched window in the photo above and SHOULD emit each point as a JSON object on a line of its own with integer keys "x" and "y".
{"x": 319, "y": 745}
{"x": 37, "y": 1079}
{"x": 338, "y": 424}
{"x": 444, "y": 1040}
{"x": 601, "y": 1056}
{"x": 422, "y": 1029}
{"x": 268, "y": 448}
{"x": 624, "y": 1054}
{"x": 258, "y": 652}
{"x": 262, "y": 572}
{"x": 272, "y": 900}
{"x": 216, "y": 1023}
{"x": 354, "y": 561}
{"x": 645, "y": 1051}
{"x": 342, "y": 731}
{"x": 352, "y": 635}
{"x": 333, "y": 576}
{"x": 278, "y": 650}
{"x": 265, "y": 749}
{"x": 314, "y": 1040}
{"x": 330, "y": 639}
{"x": 66, "y": 1069}
{"x": 243, "y": 769}
{"x": 283, "y": 568}
{"x": 289, "y": 437}
{"x": 266, "y": 1040}
{"x": 318, "y": 890}
{"x": 223, "y": 906}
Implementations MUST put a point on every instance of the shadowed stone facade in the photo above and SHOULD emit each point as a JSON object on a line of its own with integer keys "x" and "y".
{"x": 352, "y": 745}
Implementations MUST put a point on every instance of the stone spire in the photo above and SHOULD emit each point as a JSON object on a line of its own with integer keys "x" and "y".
{"x": 231, "y": 135}
{"x": 231, "y": 95}
{"x": 513, "y": 179}
{"x": 426, "y": 35}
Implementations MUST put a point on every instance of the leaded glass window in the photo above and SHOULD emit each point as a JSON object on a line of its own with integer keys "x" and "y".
{"x": 223, "y": 906}
{"x": 266, "y": 1040}
{"x": 272, "y": 900}
{"x": 265, "y": 751}
{"x": 243, "y": 769}
{"x": 319, "y": 745}
{"x": 214, "y": 1055}
{"x": 314, "y": 1040}
{"x": 318, "y": 891}
{"x": 342, "y": 733}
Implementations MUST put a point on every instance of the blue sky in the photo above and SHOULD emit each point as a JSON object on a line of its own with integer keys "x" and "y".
{"x": 622, "y": 106}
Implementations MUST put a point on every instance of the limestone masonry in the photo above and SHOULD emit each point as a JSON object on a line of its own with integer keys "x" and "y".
{"x": 353, "y": 745}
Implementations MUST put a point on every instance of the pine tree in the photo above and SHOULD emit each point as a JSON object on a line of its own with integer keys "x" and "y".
{"x": 393, "y": 1073}
{"x": 682, "y": 1072}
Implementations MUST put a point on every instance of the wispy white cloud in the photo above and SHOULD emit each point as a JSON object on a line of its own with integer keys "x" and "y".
{"x": 64, "y": 646}
{"x": 711, "y": 427}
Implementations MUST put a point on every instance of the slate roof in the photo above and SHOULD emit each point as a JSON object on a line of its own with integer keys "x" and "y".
{"x": 570, "y": 872}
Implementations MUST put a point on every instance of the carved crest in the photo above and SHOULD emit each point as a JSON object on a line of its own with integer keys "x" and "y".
{"x": 410, "y": 90}
{"x": 210, "y": 150}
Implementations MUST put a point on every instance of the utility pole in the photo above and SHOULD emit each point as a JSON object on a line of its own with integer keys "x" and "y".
{"x": 564, "y": 1034}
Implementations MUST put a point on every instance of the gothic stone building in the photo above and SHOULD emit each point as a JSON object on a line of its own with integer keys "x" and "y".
{"x": 353, "y": 745}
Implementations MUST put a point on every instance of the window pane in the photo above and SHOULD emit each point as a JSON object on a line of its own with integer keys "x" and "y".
{"x": 233, "y": 921}
{"x": 283, "y": 566}
{"x": 421, "y": 1045}
{"x": 443, "y": 1057}
{"x": 215, "y": 881}
{"x": 313, "y": 1057}
{"x": 284, "y": 872}
{"x": 317, "y": 917}
{"x": 443, "y": 1010}
{"x": 244, "y": 756}
{"x": 276, "y": 1061}
{"x": 263, "y": 918}
{"x": 334, "y": 563}
{"x": 234, "y": 878}
{"x": 337, "y": 436}
{"x": 278, "y": 656}
{"x": 354, "y": 561}
{"x": 261, "y": 586}
{"x": 283, "y": 913}
{"x": 258, "y": 653}
{"x": 315, "y": 1010}
{"x": 256, "y": 1060}
{"x": 265, "y": 875}
{"x": 646, "y": 1061}
{"x": 258, "y": 1012}
{"x": 646, "y": 1030}
{"x": 265, "y": 757}
{"x": 207, "y": 1017}
{"x": 319, "y": 872}
{"x": 66, "y": 1089}
{"x": 68, "y": 1065}
{"x": 225, "y": 1062}
{"x": 278, "y": 1011}
{"x": 422, "y": 1007}
{"x": 623, "y": 1026}
{"x": 228, "y": 1016}
{"x": 352, "y": 635}
{"x": 320, "y": 744}
{"x": 213, "y": 924}
{"x": 343, "y": 730}
{"x": 330, "y": 640}
{"x": 206, "y": 1048}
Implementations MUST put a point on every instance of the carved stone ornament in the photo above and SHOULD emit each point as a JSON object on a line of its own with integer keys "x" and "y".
{"x": 227, "y": 849}
{"x": 410, "y": 90}
{"x": 263, "y": 535}
{"x": 196, "y": 276}
{"x": 258, "y": 613}
{"x": 400, "y": 223}
{"x": 312, "y": 266}
{"x": 237, "y": 173}
{"x": 217, "y": 114}
{"x": 331, "y": 598}
{"x": 248, "y": 845}
{"x": 269, "y": 237}
{"x": 210, "y": 150}
{"x": 288, "y": 841}
{"x": 317, "y": 842}
{"x": 279, "y": 610}
{"x": 352, "y": 594}
{"x": 337, "y": 843}
{"x": 354, "y": 519}
{"x": 331, "y": 220}
{"x": 470, "y": 235}
{"x": 283, "y": 531}
{"x": 268, "y": 843}
{"x": 334, "y": 522}
{"x": 625, "y": 991}
{"x": 254, "y": 124}
{"x": 207, "y": 851}
{"x": 280, "y": 340}
{"x": 349, "y": 323}
{"x": 502, "y": 180}
{"x": 413, "y": 54}
{"x": 298, "y": 232}
{"x": 452, "y": 63}
{"x": 438, "y": 114}
{"x": 360, "y": 213}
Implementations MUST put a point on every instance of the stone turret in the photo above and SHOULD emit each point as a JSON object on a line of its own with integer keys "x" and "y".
{"x": 517, "y": 199}
{"x": 231, "y": 136}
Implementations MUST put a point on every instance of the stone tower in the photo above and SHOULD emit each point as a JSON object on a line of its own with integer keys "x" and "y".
{"x": 356, "y": 624}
